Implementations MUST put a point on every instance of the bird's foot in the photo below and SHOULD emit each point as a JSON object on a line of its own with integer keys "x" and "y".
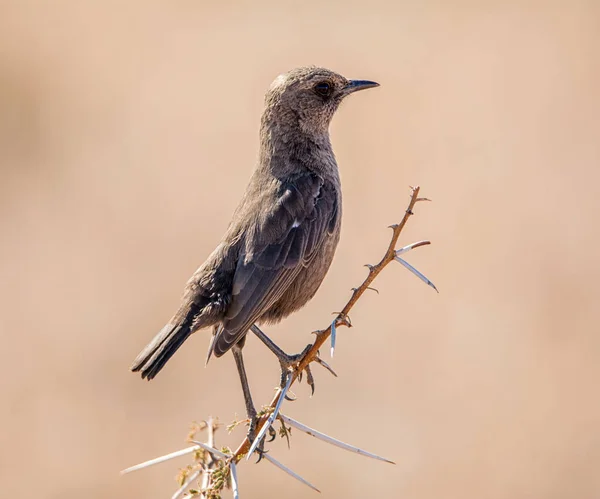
{"x": 260, "y": 449}
{"x": 292, "y": 363}
{"x": 288, "y": 363}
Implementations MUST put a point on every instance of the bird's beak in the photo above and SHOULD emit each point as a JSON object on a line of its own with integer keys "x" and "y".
{"x": 356, "y": 85}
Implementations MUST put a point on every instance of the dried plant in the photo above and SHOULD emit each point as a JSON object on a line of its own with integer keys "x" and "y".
{"x": 218, "y": 468}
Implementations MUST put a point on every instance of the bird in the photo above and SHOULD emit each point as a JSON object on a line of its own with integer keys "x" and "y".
{"x": 282, "y": 237}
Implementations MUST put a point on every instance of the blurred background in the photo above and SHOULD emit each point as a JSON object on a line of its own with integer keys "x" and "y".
{"x": 128, "y": 130}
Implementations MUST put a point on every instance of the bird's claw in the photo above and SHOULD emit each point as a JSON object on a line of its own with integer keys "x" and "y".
{"x": 310, "y": 380}
{"x": 272, "y": 434}
{"x": 291, "y": 362}
{"x": 260, "y": 449}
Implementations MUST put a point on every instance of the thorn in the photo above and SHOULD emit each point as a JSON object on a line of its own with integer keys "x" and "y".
{"x": 325, "y": 365}
{"x": 331, "y": 440}
{"x": 411, "y": 246}
{"x": 369, "y": 266}
{"x": 422, "y": 199}
{"x": 161, "y": 459}
{"x": 234, "y": 480}
{"x": 290, "y": 396}
{"x": 333, "y": 337}
{"x": 272, "y": 417}
{"x": 416, "y": 272}
{"x": 393, "y": 226}
{"x": 291, "y": 473}
{"x": 343, "y": 319}
{"x": 372, "y": 289}
{"x": 214, "y": 452}
{"x": 186, "y": 484}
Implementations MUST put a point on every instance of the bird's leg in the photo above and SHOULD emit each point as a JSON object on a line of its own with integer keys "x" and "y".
{"x": 250, "y": 409}
{"x": 239, "y": 362}
{"x": 285, "y": 361}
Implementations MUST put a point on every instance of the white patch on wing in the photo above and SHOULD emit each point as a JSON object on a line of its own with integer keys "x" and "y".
{"x": 295, "y": 224}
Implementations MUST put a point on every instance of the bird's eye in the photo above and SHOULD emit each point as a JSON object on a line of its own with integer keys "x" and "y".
{"x": 323, "y": 89}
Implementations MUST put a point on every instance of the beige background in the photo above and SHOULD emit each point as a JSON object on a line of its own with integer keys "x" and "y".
{"x": 128, "y": 130}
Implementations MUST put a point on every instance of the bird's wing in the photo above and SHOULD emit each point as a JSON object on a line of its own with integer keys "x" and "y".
{"x": 278, "y": 245}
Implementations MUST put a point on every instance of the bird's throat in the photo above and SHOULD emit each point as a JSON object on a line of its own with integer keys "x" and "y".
{"x": 285, "y": 152}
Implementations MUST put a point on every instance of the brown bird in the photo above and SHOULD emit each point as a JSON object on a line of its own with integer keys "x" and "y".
{"x": 283, "y": 235}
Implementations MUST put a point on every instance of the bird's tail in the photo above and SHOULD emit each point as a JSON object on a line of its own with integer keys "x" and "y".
{"x": 156, "y": 354}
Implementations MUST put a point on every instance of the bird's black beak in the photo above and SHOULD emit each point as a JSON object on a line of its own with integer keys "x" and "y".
{"x": 356, "y": 85}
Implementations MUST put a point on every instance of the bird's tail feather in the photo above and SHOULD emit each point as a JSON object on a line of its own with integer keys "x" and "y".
{"x": 156, "y": 354}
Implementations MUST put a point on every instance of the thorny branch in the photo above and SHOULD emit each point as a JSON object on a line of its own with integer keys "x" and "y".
{"x": 342, "y": 319}
{"x": 218, "y": 467}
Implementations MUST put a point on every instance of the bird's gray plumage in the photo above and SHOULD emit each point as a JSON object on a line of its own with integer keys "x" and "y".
{"x": 283, "y": 235}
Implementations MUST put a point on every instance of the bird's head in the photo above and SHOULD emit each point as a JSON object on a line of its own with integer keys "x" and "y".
{"x": 307, "y": 98}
